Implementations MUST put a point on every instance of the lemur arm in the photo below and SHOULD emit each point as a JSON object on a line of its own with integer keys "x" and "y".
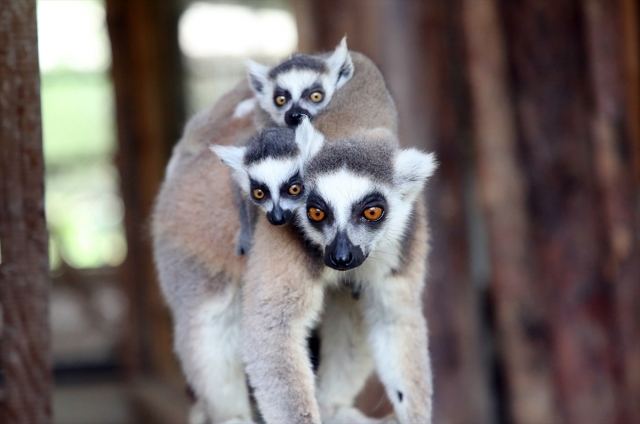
{"x": 281, "y": 304}
{"x": 398, "y": 332}
{"x": 247, "y": 214}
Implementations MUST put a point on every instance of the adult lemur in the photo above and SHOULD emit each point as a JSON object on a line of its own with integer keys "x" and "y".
{"x": 259, "y": 308}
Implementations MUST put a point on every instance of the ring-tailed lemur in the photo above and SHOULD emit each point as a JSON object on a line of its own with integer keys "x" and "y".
{"x": 269, "y": 171}
{"x": 260, "y": 307}
{"x": 300, "y": 86}
{"x": 365, "y": 227}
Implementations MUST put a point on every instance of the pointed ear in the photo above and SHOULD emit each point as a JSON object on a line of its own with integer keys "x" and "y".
{"x": 340, "y": 63}
{"x": 257, "y": 75}
{"x": 412, "y": 168}
{"x": 233, "y": 157}
{"x": 308, "y": 139}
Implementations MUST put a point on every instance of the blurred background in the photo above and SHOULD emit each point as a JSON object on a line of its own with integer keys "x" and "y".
{"x": 532, "y": 108}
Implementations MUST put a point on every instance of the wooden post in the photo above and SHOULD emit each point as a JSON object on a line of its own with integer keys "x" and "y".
{"x": 25, "y": 348}
{"x": 147, "y": 78}
{"x": 521, "y": 310}
{"x": 613, "y": 132}
{"x": 559, "y": 156}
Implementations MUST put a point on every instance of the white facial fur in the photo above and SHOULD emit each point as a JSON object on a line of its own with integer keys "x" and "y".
{"x": 299, "y": 83}
{"x": 273, "y": 173}
{"x": 343, "y": 192}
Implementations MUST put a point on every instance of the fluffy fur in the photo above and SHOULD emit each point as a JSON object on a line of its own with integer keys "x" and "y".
{"x": 258, "y": 309}
{"x": 273, "y": 163}
{"x": 296, "y": 79}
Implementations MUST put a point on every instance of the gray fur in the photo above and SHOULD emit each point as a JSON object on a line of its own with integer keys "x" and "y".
{"x": 276, "y": 142}
{"x": 299, "y": 61}
{"x": 373, "y": 159}
{"x": 247, "y": 213}
{"x": 407, "y": 243}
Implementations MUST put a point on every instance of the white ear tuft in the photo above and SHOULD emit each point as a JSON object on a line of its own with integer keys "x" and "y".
{"x": 233, "y": 157}
{"x": 257, "y": 75}
{"x": 340, "y": 63}
{"x": 412, "y": 168}
{"x": 309, "y": 140}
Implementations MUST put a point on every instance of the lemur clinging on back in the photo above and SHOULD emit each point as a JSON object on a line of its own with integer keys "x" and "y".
{"x": 253, "y": 312}
{"x": 269, "y": 171}
{"x": 297, "y": 88}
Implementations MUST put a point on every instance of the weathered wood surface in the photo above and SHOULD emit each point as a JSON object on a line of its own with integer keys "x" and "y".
{"x": 563, "y": 147}
{"x": 521, "y": 311}
{"x": 613, "y": 132}
{"x": 25, "y": 348}
{"x": 150, "y": 115}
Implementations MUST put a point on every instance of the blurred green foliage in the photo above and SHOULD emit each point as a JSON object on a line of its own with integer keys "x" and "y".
{"x": 84, "y": 210}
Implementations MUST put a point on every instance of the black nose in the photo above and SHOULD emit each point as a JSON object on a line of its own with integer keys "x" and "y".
{"x": 278, "y": 216}
{"x": 341, "y": 259}
{"x": 293, "y": 117}
{"x": 342, "y": 255}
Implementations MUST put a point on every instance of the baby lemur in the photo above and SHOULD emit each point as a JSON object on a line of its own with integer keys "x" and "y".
{"x": 235, "y": 314}
{"x": 300, "y": 87}
{"x": 268, "y": 172}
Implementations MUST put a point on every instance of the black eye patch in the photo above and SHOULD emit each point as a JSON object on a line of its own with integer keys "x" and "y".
{"x": 279, "y": 91}
{"x": 371, "y": 200}
{"x": 315, "y": 201}
{"x": 295, "y": 179}
{"x": 255, "y": 185}
{"x": 315, "y": 87}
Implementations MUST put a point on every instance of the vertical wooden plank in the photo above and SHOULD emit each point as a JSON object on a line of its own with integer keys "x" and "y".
{"x": 613, "y": 131}
{"x": 25, "y": 347}
{"x": 437, "y": 120}
{"x": 521, "y": 309}
{"x": 150, "y": 114}
{"x": 552, "y": 94}
{"x": 631, "y": 55}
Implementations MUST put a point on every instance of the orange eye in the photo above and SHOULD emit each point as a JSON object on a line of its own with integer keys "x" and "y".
{"x": 316, "y": 96}
{"x": 316, "y": 214}
{"x": 280, "y": 100}
{"x": 373, "y": 214}
{"x": 295, "y": 189}
{"x": 258, "y": 194}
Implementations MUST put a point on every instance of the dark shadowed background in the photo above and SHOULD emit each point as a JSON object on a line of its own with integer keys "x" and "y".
{"x": 532, "y": 108}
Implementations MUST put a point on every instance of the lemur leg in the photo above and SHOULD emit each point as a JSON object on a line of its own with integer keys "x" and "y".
{"x": 207, "y": 342}
{"x": 206, "y": 310}
{"x": 398, "y": 339}
{"x": 345, "y": 359}
{"x": 281, "y": 305}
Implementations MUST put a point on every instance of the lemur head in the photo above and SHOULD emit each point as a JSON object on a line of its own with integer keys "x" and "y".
{"x": 302, "y": 85}
{"x": 361, "y": 195}
{"x": 269, "y": 169}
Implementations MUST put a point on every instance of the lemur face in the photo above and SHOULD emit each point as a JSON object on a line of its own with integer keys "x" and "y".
{"x": 269, "y": 169}
{"x": 361, "y": 197}
{"x": 300, "y": 86}
{"x": 275, "y": 184}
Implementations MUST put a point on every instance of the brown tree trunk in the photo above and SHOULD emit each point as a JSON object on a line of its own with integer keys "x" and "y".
{"x": 521, "y": 309}
{"x": 150, "y": 114}
{"x": 25, "y": 345}
{"x": 612, "y": 135}
{"x": 559, "y": 157}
